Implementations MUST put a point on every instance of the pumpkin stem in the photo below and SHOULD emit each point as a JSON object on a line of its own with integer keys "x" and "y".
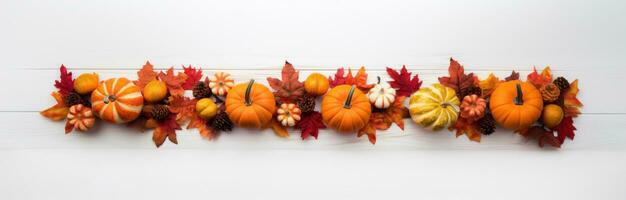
{"x": 378, "y": 77}
{"x": 248, "y": 101}
{"x": 108, "y": 99}
{"x": 349, "y": 99}
{"x": 519, "y": 100}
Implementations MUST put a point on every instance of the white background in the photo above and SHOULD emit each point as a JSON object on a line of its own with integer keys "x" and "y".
{"x": 252, "y": 39}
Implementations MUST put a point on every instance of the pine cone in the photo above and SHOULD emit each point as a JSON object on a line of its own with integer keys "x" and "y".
{"x": 222, "y": 122}
{"x": 562, "y": 83}
{"x": 470, "y": 90}
{"x": 73, "y": 98}
{"x": 306, "y": 104}
{"x": 487, "y": 125}
{"x": 160, "y": 112}
{"x": 201, "y": 90}
{"x": 550, "y": 92}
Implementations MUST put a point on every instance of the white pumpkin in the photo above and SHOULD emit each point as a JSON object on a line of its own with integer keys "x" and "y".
{"x": 382, "y": 95}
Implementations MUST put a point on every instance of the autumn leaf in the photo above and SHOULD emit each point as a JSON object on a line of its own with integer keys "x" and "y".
{"x": 514, "y": 76}
{"x": 206, "y": 131}
{"x": 145, "y": 75}
{"x": 458, "y": 80}
{"x": 278, "y": 129}
{"x": 565, "y": 129}
{"x": 310, "y": 124}
{"x": 369, "y": 130}
{"x": 173, "y": 82}
{"x": 360, "y": 79}
{"x": 571, "y": 104}
{"x": 396, "y": 111}
{"x": 489, "y": 85}
{"x": 542, "y": 136}
{"x": 184, "y": 107}
{"x": 66, "y": 83}
{"x": 538, "y": 80}
{"x": 288, "y": 88}
{"x": 58, "y": 111}
{"x": 166, "y": 129}
{"x": 465, "y": 127}
{"x": 339, "y": 78}
{"x": 402, "y": 81}
{"x": 193, "y": 76}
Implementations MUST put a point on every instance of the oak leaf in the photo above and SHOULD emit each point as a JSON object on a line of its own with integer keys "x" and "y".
{"x": 184, "y": 107}
{"x": 193, "y": 76}
{"x": 565, "y": 129}
{"x": 288, "y": 88}
{"x": 458, "y": 80}
{"x": 145, "y": 75}
{"x": 66, "y": 83}
{"x": 166, "y": 129}
{"x": 489, "y": 85}
{"x": 58, "y": 111}
{"x": 539, "y": 80}
{"x": 173, "y": 82}
{"x": 402, "y": 81}
{"x": 571, "y": 104}
{"x": 205, "y": 130}
{"x": 310, "y": 124}
{"x": 466, "y": 127}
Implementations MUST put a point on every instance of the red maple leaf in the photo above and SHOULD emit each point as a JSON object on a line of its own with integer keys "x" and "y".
{"x": 66, "y": 83}
{"x": 339, "y": 78}
{"x": 458, "y": 80}
{"x": 288, "y": 88}
{"x": 542, "y": 136}
{"x": 360, "y": 79}
{"x": 193, "y": 76}
{"x": 565, "y": 129}
{"x": 539, "y": 80}
{"x": 402, "y": 82}
{"x": 166, "y": 129}
{"x": 310, "y": 124}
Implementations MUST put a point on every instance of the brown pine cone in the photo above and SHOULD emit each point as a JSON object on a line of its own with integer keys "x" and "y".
{"x": 221, "y": 122}
{"x": 562, "y": 83}
{"x": 202, "y": 90}
{"x": 550, "y": 92}
{"x": 306, "y": 104}
{"x": 470, "y": 90}
{"x": 160, "y": 112}
{"x": 487, "y": 124}
{"x": 73, "y": 98}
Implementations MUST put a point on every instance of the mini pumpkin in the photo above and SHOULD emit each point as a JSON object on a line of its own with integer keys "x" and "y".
{"x": 80, "y": 118}
{"x": 117, "y": 100}
{"x": 220, "y": 83}
{"x": 473, "y": 107}
{"x": 316, "y": 84}
{"x": 552, "y": 115}
{"x": 85, "y": 83}
{"x": 288, "y": 114}
{"x": 434, "y": 107}
{"x": 250, "y": 105}
{"x": 154, "y": 91}
{"x": 516, "y": 104}
{"x": 346, "y": 108}
{"x": 206, "y": 108}
{"x": 381, "y": 95}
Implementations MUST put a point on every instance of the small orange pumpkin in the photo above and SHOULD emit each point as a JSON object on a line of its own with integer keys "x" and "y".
{"x": 516, "y": 104}
{"x": 250, "y": 105}
{"x": 316, "y": 84}
{"x": 346, "y": 108}
{"x": 117, "y": 100}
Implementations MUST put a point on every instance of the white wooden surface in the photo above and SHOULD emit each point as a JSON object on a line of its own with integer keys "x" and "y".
{"x": 251, "y": 39}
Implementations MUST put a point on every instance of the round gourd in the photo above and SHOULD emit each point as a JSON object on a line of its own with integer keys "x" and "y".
{"x": 552, "y": 115}
{"x": 316, "y": 84}
{"x": 434, "y": 107}
{"x": 85, "y": 83}
{"x": 346, "y": 108}
{"x": 206, "y": 108}
{"x": 154, "y": 91}
{"x": 117, "y": 100}
{"x": 250, "y": 105}
{"x": 381, "y": 95}
{"x": 516, "y": 104}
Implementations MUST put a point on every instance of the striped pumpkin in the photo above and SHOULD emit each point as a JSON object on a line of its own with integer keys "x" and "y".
{"x": 117, "y": 100}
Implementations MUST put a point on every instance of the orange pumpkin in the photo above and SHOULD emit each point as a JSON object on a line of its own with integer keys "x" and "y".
{"x": 316, "y": 84}
{"x": 117, "y": 100}
{"x": 516, "y": 104}
{"x": 346, "y": 108}
{"x": 250, "y": 105}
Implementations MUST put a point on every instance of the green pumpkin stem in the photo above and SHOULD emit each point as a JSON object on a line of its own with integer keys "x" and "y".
{"x": 519, "y": 100}
{"x": 349, "y": 99}
{"x": 378, "y": 77}
{"x": 248, "y": 101}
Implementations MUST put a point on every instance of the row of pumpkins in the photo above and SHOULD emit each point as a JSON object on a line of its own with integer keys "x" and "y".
{"x": 514, "y": 104}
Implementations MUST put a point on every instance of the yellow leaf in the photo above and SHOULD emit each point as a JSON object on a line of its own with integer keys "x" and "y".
{"x": 571, "y": 103}
{"x": 547, "y": 73}
{"x": 489, "y": 84}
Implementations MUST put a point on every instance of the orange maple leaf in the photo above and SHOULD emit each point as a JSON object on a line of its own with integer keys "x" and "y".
{"x": 145, "y": 75}
{"x": 539, "y": 80}
{"x": 184, "y": 107}
{"x": 174, "y": 82}
{"x": 278, "y": 129}
{"x": 571, "y": 104}
{"x": 206, "y": 131}
{"x": 58, "y": 111}
{"x": 458, "y": 80}
{"x": 470, "y": 129}
{"x": 166, "y": 129}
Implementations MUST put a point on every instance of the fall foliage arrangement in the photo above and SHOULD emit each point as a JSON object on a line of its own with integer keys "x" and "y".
{"x": 540, "y": 108}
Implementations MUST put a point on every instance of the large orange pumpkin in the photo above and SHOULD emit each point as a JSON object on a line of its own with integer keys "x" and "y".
{"x": 346, "y": 108}
{"x": 117, "y": 100}
{"x": 516, "y": 104}
{"x": 250, "y": 105}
